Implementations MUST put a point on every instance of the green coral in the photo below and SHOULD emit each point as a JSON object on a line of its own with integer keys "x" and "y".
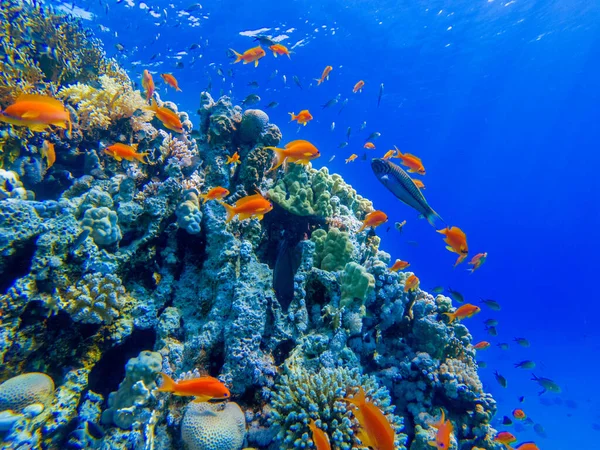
{"x": 302, "y": 394}
{"x": 356, "y": 284}
{"x": 333, "y": 249}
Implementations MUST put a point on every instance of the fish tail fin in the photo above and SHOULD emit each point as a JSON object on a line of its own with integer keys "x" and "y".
{"x": 153, "y": 105}
{"x": 238, "y": 56}
{"x": 293, "y": 116}
{"x": 319, "y": 81}
{"x": 140, "y": 156}
{"x": 230, "y": 212}
{"x": 279, "y": 154}
{"x": 451, "y": 316}
{"x": 168, "y": 384}
{"x": 432, "y": 216}
{"x": 178, "y": 89}
{"x": 363, "y": 226}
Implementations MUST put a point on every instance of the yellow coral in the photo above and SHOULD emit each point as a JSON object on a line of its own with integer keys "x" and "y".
{"x": 99, "y": 108}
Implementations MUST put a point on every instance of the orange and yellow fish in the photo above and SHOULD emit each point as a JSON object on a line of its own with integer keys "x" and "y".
{"x": 203, "y": 388}
{"x": 303, "y": 117}
{"x": 414, "y": 163}
{"x": 279, "y": 49}
{"x": 249, "y": 56}
{"x": 37, "y": 112}
{"x": 374, "y": 219}
{"x": 170, "y": 80}
{"x": 399, "y": 265}
{"x": 48, "y": 153}
{"x": 418, "y": 183}
{"x": 319, "y": 437}
{"x": 444, "y": 433}
{"x": 233, "y": 159}
{"x": 481, "y": 345}
{"x": 216, "y": 193}
{"x": 297, "y": 152}
{"x": 148, "y": 84}
{"x": 122, "y": 151}
{"x": 325, "y": 75}
{"x": 477, "y": 261}
{"x": 168, "y": 118}
{"x": 519, "y": 414}
{"x": 351, "y": 158}
{"x": 375, "y": 429}
{"x": 527, "y": 446}
{"x": 247, "y": 207}
{"x": 389, "y": 154}
{"x": 358, "y": 86}
{"x": 457, "y": 242}
{"x": 369, "y": 145}
{"x": 506, "y": 438}
{"x": 465, "y": 311}
{"x": 411, "y": 283}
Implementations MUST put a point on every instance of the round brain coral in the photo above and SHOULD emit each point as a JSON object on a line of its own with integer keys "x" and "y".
{"x": 207, "y": 426}
{"x": 27, "y": 389}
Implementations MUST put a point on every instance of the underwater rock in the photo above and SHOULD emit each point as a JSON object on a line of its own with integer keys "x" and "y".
{"x": 254, "y": 123}
{"x": 207, "y": 426}
{"x": 11, "y": 186}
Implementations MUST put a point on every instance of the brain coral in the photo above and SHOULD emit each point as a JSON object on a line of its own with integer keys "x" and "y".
{"x": 207, "y": 426}
{"x": 27, "y": 389}
{"x": 254, "y": 121}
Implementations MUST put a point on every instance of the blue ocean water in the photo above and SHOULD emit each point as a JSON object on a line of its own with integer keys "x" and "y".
{"x": 499, "y": 99}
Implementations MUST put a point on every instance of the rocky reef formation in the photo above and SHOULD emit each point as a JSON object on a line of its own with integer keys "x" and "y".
{"x": 113, "y": 271}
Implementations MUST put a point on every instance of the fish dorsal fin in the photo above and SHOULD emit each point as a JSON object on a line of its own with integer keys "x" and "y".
{"x": 41, "y": 99}
{"x": 296, "y": 142}
{"x": 250, "y": 198}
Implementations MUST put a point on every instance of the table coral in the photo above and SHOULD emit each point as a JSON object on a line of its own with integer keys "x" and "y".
{"x": 207, "y": 426}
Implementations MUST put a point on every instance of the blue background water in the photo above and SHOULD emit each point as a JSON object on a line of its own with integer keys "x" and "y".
{"x": 501, "y": 100}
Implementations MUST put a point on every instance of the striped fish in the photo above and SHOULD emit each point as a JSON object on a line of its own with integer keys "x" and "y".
{"x": 400, "y": 184}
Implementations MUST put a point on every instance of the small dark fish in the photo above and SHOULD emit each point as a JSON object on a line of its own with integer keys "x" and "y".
{"x": 343, "y": 144}
{"x": 297, "y": 81}
{"x": 380, "y": 94}
{"x": 120, "y": 47}
{"x": 81, "y": 238}
{"x": 539, "y": 430}
{"x": 547, "y": 385}
{"x": 522, "y": 342}
{"x": 500, "y": 379}
{"x": 154, "y": 56}
{"x": 438, "y": 290}
{"x": 492, "y": 304}
{"x": 503, "y": 346}
{"x": 194, "y": 47}
{"x": 273, "y": 105}
{"x": 267, "y": 41}
{"x": 348, "y": 132}
{"x": 373, "y": 136}
{"x": 220, "y": 72}
{"x": 506, "y": 420}
{"x": 482, "y": 364}
{"x": 194, "y": 7}
{"x": 363, "y": 125}
{"x": 521, "y": 399}
{"x": 252, "y": 99}
{"x": 106, "y": 9}
{"x": 230, "y": 73}
{"x": 253, "y": 84}
{"x": 492, "y": 331}
{"x": 344, "y": 103}
{"x": 400, "y": 226}
{"x": 491, "y": 322}
{"x": 331, "y": 102}
{"x": 456, "y": 296}
{"x": 179, "y": 65}
{"x": 525, "y": 365}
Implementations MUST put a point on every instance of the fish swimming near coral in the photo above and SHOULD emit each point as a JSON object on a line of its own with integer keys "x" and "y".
{"x": 414, "y": 164}
{"x": 506, "y": 438}
{"x": 444, "y": 433}
{"x": 375, "y": 430}
{"x": 319, "y": 437}
{"x": 233, "y": 159}
{"x": 303, "y": 117}
{"x": 168, "y": 117}
{"x": 122, "y": 151}
{"x": 216, "y": 193}
{"x": 481, "y": 345}
{"x": 400, "y": 184}
{"x": 457, "y": 242}
{"x": 296, "y": 152}
{"x": 399, "y": 265}
{"x": 203, "y": 388}
{"x": 250, "y": 56}
{"x": 465, "y": 311}
{"x": 148, "y": 84}
{"x": 547, "y": 384}
{"x": 37, "y": 112}
{"x": 48, "y": 153}
{"x": 525, "y": 365}
{"x": 519, "y": 414}
{"x": 456, "y": 296}
{"x": 411, "y": 283}
{"x": 500, "y": 379}
{"x": 170, "y": 80}
{"x": 248, "y": 207}
{"x": 374, "y": 219}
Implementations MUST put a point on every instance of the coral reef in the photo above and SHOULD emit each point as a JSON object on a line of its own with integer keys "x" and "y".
{"x": 207, "y": 426}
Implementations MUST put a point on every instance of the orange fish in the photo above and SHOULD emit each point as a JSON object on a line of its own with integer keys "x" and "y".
{"x": 506, "y": 438}
{"x": 389, "y": 154}
{"x": 247, "y": 207}
{"x": 168, "y": 118}
{"x": 477, "y": 261}
{"x": 444, "y": 432}
{"x": 481, "y": 345}
{"x": 414, "y": 164}
{"x": 319, "y": 437}
{"x": 457, "y": 242}
{"x": 369, "y": 145}
{"x": 374, "y": 219}
{"x": 358, "y": 86}
{"x": 527, "y": 446}
{"x": 418, "y": 183}
{"x": 466, "y": 310}
{"x": 121, "y": 151}
{"x": 251, "y": 55}
{"x": 148, "y": 84}
{"x": 48, "y": 153}
{"x": 216, "y": 193}
{"x": 325, "y": 75}
{"x": 203, "y": 388}
{"x": 351, "y": 158}
{"x": 170, "y": 80}
{"x": 375, "y": 430}
{"x": 37, "y": 112}
{"x": 399, "y": 265}
{"x": 411, "y": 283}
{"x": 297, "y": 152}
{"x": 519, "y": 414}
{"x": 279, "y": 49}
{"x": 234, "y": 159}
{"x": 303, "y": 117}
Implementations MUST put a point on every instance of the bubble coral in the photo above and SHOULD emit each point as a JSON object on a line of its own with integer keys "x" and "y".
{"x": 103, "y": 225}
{"x": 333, "y": 249}
{"x": 24, "y": 390}
{"x": 207, "y": 426}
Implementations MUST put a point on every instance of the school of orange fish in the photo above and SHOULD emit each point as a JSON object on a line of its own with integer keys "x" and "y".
{"x": 39, "y": 112}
